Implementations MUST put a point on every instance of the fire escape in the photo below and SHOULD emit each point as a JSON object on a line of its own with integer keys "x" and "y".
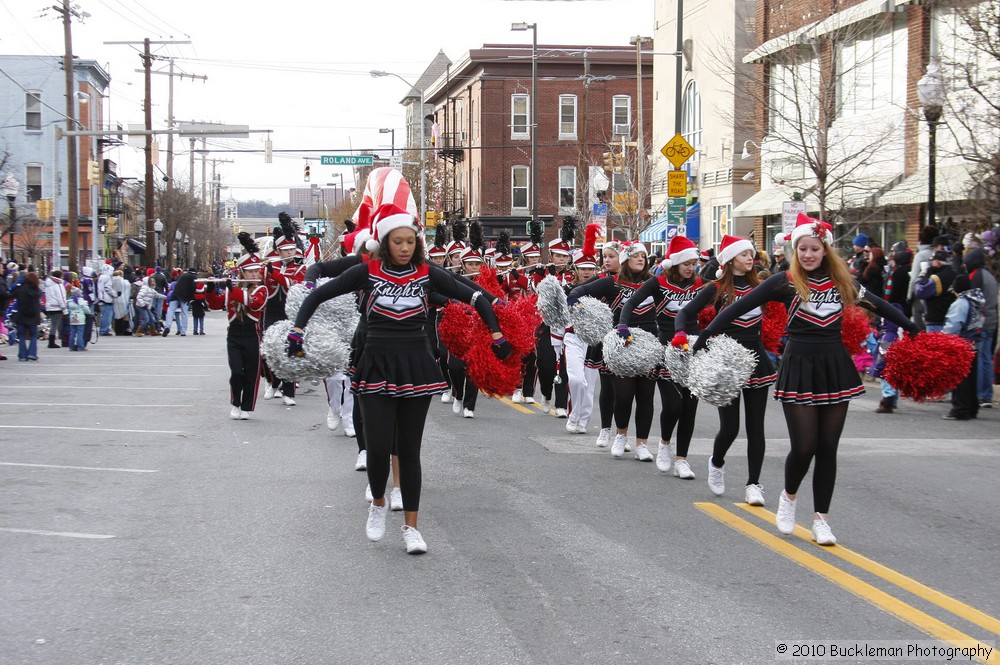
{"x": 451, "y": 148}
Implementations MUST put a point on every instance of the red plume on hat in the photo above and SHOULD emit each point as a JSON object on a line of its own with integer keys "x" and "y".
{"x": 590, "y": 239}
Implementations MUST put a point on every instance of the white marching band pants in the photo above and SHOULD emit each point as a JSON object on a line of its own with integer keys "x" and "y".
{"x": 582, "y": 380}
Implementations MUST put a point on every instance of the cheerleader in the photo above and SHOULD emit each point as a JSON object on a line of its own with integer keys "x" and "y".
{"x": 581, "y": 379}
{"x": 595, "y": 355}
{"x": 615, "y": 290}
{"x": 736, "y": 278}
{"x": 244, "y": 305}
{"x": 396, "y": 374}
{"x": 816, "y": 378}
{"x": 278, "y": 277}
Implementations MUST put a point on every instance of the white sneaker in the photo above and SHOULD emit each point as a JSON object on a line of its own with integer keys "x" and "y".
{"x": 368, "y": 494}
{"x": 456, "y": 407}
{"x": 349, "y": 431}
{"x": 332, "y": 419}
{"x": 244, "y": 415}
{"x": 604, "y": 438}
{"x": 665, "y": 457}
{"x": 618, "y": 447}
{"x": 561, "y": 413}
{"x": 466, "y": 413}
{"x": 642, "y": 453}
{"x": 375, "y": 528}
{"x": 446, "y": 397}
{"x": 278, "y": 394}
{"x": 288, "y": 401}
{"x": 396, "y": 499}
{"x": 269, "y": 391}
{"x": 571, "y": 427}
{"x": 683, "y": 470}
{"x": 716, "y": 479}
{"x": 545, "y": 404}
{"x": 530, "y": 400}
{"x": 517, "y": 397}
{"x": 822, "y": 534}
{"x": 234, "y": 412}
{"x": 362, "y": 462}
{"x": 785, "y": 517}
{"x": 414, "y": 541}
{"x": 755, "y": 495}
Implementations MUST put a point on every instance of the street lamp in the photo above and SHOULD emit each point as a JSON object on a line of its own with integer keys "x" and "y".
{"x": 10, "y": 186}
{"x": 376, "y": 73}
{"x": 932, "y": 93}
{"x": 520, "y": 27}
{"x": 386, "y": 130}
{"x": 157, "y": 227}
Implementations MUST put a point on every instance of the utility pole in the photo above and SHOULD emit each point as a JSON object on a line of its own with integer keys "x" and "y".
{"x": 640, "y": 138}
{"x": 214, "y": 214}
{"x": 583, "y": 164}
{"x": 170, "y": 115}
{"x": 72, "y": 175}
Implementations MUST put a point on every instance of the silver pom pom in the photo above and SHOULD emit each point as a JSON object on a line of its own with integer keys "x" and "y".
{"x": 718, "y": 374}
{"x": 326, "y": 352}
{"x": 639, "y": 358}
{"x": 552, "y": 303}
{"x": 592, "y": 320}
{"x": 676, "y": 361}
{"x": 340, "y": 312}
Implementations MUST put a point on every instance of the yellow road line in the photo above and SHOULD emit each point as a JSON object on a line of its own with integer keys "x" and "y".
{"x": 514, "y": 406}
{"x": 921, "y": 620}
{"x": 943, "y": 601}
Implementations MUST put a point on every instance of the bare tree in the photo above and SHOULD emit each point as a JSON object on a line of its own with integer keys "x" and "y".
{"x": 180, "y": 213}
{"x": 629, "y": 189}
{"x": 34, "y": 237}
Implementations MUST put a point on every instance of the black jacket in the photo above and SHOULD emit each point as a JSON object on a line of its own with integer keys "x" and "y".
{"x": 29, "y": 304}
{"x": 184, "y": 288}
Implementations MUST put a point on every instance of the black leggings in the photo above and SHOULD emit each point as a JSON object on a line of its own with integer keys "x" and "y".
{"x": 606, "y": 400}
{"x": 395, "y": 425}
{"x": 677, "y": 409}
{"x": 530, "y": 373}
{"x": 754, "y": 407}
{"x": 641, "y": 390}
{"x": 814, "y": 432}
{"x": 359, "y": 423}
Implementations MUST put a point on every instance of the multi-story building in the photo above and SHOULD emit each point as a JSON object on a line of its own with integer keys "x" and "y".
{"x": 587, "y": 114}
{"x": 33, "y": 99}
{"x": 315, "y": 200}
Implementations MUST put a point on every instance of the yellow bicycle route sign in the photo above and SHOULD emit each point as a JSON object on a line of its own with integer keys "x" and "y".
{"x": 677, "y": 150}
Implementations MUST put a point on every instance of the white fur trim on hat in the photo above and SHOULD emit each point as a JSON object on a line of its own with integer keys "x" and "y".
{"x": 683, "y": 256}
{"x": 808, "y": 226}
{"x": 733, "y": 249}
{"x": 628, "y": 249}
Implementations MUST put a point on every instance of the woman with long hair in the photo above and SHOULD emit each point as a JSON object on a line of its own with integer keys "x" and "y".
{"x": 28, "y": 316}
{"x": 396, "y": 374}
{"x": 669, "y": 292}
{"x": 873, "y": 276}
{"x": 737, "y": 276}
{"x": 816, "y": 378}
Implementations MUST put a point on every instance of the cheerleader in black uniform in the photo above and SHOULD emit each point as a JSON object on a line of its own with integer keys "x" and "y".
{"x": 816, "y": 378}
{"x": 736, "y": 278}
{"x": 670, "y": 292}
{"x": 396, "y": 374}
{"x": 615, "y": 290}
{"x": 595, "y": 355}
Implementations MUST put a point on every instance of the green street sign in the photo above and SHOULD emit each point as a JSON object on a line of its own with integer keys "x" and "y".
{"x": 677, "y": 211}
{"x": 347, "y": 160}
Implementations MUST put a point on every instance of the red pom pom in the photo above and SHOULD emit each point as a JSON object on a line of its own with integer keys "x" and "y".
{"x": 487, "y": 278}
{"x": 772, "y": 327}
{"x": 855, "y": 327}
{"x": 706, "y": 316}
{"x": 928, "y": 365}
{"x": 455, "y": 327}
{"x": 519, "y": 320}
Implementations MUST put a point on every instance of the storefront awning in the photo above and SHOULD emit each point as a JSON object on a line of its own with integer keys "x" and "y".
{"x": 779, "y": 43}
{"x": 768, "y": 202}
{"x": 137, "y": 247}
{"x": 655, "y": 231}
{"x": 955, "y": 182}
{"x": 852, "y": 15}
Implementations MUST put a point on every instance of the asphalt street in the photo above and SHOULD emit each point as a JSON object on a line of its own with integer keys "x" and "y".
{"x": 139, "y": 524}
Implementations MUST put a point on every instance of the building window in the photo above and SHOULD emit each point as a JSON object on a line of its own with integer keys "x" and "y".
{"x": 519, "y": 117}
{"x": 567, "y": 187}
{"x": 720, "y": 222}
{"x": 519, "y": 188}
{"x": 869, "y": 72}
{"x": 33, "y": 178}
{"x": 33, "y": 111}
{"x": 567, "y": 116}
{"x": 793, "y": 97}
{"x": 691, "y": 127}
{"x": 621, "y": 114}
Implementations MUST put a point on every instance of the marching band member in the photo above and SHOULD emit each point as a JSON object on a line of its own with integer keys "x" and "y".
{"x": 457, "y": 245}
{"x": 519, "y": 284}
{"x": 582, "y": 380}
{"x": 464, "y": 390}
{"x": 279, "y": 275}
{"x": 548, "y": 348}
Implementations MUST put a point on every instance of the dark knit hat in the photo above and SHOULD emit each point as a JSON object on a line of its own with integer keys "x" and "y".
{"x": 941, "y": 255}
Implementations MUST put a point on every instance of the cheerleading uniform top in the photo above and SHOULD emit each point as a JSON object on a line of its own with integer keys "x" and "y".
{"x": 615, "y": 291}
{"x": 745, "y": 328}
{"x": 816, "y": 367}
{"x": 665, "y": 299}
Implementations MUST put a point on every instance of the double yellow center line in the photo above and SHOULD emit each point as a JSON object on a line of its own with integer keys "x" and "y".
{"x": 921, "y": 620}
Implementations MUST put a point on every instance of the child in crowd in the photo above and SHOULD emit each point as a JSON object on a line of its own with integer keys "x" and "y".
{"x": 78, "y": 310}
{"x": 198, "y": 308}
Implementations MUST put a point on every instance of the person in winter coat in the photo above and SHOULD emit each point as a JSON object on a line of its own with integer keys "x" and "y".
{"x": 106, "y": 295}
{"x": 985, "y": 280}
{"x": 145, "y": 317}
{"x": 897, "y": 287}
{"x": 179, "y": 299}
{"x": 78, "y": 312}
{"x": 120, "y": 305}
{"x": 966, "y": 317}
{"x": 873, "y": 276}
{"x": 28, "y": 315}
{"x": 88, "y": 284}
{"x": 934, "y": 288}
{"x": 55, "y": 305}
{"x": 199, "y": 307}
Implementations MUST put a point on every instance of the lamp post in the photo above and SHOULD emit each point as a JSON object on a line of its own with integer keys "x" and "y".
{"x": 518, "y": 27}
{"x": 157, "y": 228}
{"x": 10, "y": 186}
{"x": 375, "y": 73}
{"x": 932, "y": 93}
{"x": 386, "y": 130}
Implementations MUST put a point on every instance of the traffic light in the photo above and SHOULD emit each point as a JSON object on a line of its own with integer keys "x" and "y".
{"x": 609, "y": 161}
{"x": 305, "y": 173}
{"x": 93, "y": 171}
{"x": 112, "y": 224}
{"x": 431, "y": 219}
{"x": 43, "y": 208}
{"x": 267, "y": 151}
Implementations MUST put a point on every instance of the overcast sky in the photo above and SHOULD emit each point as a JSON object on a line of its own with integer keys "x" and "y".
{"x": 299, "y": 68}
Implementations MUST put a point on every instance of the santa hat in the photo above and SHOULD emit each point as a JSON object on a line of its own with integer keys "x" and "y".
{"x": 704, "y": 256}
{"x": 808, "y": 226}
{"x": 680, "y": 250}
{"x": 387, "y": 218}
{"x": 471, "y": 254}
{"x": 629, "y": 249}
{"x": 729, "y": 249}
{"x": 588, "y": 257}
{"x": 782, "y": 240}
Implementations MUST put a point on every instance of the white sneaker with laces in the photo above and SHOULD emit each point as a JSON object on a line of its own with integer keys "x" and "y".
{"x": 642, "y": 453}
{"x": 456, "y": 407}
{"x": 664, "y": 457}
{"x": 287, "y": 401}
{"x": 604, "y": 438}
{"x": 278, "y": 394}
{"x": 466, "y": 413}
{"x": 517, "y": 397}
{"x": 362, "y": 462}
{"x": 396, "y": 499}
{"x": 755, "y": 495}
{"x": 234, "y": 412}
{"x": 822, "y": 534}
{"x": 571, "y": 427}
{"x": 618, "y": 447}
{"x": 561, "y": 413}
{"x": 244, "y": 415}
{"x": 683, "y": 470}
{"x": 446, "y": 397}
{"x": 530, "y": 400}
{"x": 349, "y": 431}
{"x": 716, "y": 479}
{"x": 785, "y": 517}
{"x": 269, "y": 391}
{"x": 368, "y": 494}
{"x": 332, "y": 419}
{"x": 375, "y": 528}
{"x": 414, "y": 541}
